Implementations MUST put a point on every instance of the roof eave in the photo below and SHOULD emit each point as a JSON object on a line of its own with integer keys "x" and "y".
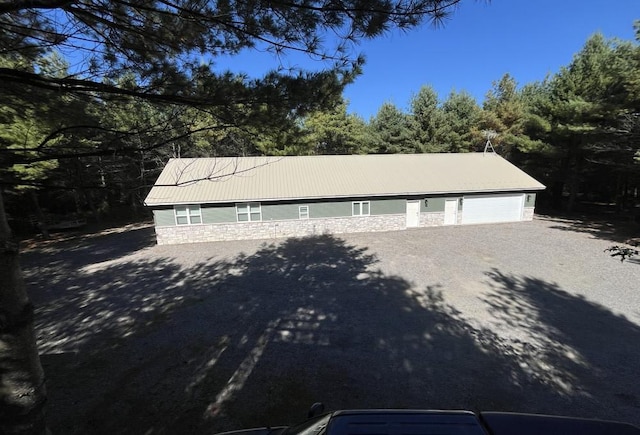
{"x": 355, "y": 195}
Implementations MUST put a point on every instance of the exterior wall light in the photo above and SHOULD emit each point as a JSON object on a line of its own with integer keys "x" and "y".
{"x": 426, "y": 203}
{"x": 460, "y": 202}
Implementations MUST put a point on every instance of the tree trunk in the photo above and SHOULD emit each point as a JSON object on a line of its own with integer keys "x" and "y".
{"x": 558, "y": 187}
{"x": 42, "y": 221}
{"x": 574, "y": 182}
{"x": 91, "y": 202}
{"x": 22, "y": 390}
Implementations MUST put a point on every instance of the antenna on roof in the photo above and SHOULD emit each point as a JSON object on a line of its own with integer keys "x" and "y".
{"x": 489, "y": 134}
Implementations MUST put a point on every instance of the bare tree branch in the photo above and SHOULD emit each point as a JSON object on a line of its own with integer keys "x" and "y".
{"x": 6, "y": 7}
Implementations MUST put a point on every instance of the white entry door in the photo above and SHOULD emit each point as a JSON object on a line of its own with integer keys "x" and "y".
{"x": 450, "y": 211}
{"x": 413, "y": 214}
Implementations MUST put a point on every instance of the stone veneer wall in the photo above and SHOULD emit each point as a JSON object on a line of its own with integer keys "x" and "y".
{"x": 289, "y": 228}
{"x": 432, "y": 219}
{"x": 527, "y": 214}
{"x": 298, "y": 228}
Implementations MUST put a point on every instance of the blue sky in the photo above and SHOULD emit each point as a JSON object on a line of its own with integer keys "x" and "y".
{"x": 479, "y": 44}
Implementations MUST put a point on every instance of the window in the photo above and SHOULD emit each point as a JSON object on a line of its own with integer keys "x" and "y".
{"x": 188, "y": 214}
{"x": 249, "y": 212}
{"x": 303, "y": 212}
{"x": 360, "y": 208}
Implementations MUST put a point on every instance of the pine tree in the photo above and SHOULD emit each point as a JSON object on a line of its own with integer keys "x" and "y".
{"x": 391, "y": 131}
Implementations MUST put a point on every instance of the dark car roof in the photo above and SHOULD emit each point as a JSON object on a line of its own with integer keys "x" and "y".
{"x": 404, "y": 422}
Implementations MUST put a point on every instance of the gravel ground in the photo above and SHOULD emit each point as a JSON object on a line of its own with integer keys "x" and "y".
{"x": 199, "y": 338}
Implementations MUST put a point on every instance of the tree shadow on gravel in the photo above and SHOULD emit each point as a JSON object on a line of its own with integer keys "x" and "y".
{"x": 599, "y": 227}
{"x": 68, "y": 249}
{"x": 582, "y": 350}
{"x": 144, "y": 344}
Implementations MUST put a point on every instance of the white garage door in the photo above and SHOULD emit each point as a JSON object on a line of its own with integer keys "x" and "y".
{"x": 492, "y": 208}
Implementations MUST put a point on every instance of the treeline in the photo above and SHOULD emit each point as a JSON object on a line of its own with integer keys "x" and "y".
{"x": 577, "y": 131}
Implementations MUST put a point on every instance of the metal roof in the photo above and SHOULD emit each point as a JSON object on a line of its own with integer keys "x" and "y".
{"x": 242, "y": 179}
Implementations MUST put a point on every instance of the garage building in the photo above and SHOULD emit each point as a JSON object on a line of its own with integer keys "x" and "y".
{"x": 232, "y": 198}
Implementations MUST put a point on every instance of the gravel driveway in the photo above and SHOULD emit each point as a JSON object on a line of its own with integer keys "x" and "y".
{"x": 144, "y": 339}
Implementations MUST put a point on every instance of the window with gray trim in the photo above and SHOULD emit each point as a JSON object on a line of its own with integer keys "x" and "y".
{"x": 360, "y": 208}
{"x": 249, "y": 212}
{"x": 187, "y": 214}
